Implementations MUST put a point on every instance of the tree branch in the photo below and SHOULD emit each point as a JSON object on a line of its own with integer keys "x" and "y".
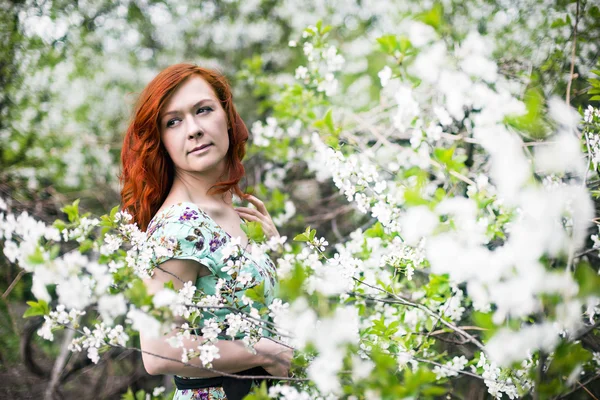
{"x": 574, "y": 47}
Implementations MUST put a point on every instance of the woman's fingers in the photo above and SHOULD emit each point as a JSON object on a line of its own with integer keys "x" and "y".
{"x": 258, "y": 214}
{"x": 260, "y": 206}
{"x": 253, "y": 212}
{"x": 249, "y": 217}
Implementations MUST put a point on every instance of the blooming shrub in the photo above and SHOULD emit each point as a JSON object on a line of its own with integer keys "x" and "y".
{"x": 470, "y": 194}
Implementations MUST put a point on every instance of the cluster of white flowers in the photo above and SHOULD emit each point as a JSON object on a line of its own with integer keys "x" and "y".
{"x": 357, "y": 177}
{"x": 322, "y": 62}
{"x": 183, "y": 306}
{"x": 453, "y": 307}
{"x": 451, "y": 368}
{"x": 289, "y": 210}
{"x": 57, "y": 318}
{"x": 21, "y": 236}
{"x": 210, "y": 330}
{"x": 184, "y": 332}
{"x": 493, "y": 379}
{"x": 111, "y": 244}
{"x": 140, "y": 320}
{"x": 100, "y": 336}
{"x": 318, "y": 243}
{"x": 590, "y": 114}
{"x": 206, "y": 352}
{"x": 82, "y": 231}
{"x": 262, "y": 135}
{"x": 404, "y": 257}
{"x": 287, "y": 392}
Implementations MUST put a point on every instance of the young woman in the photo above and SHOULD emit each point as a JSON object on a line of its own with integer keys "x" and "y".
{"x": 181, "y": 164}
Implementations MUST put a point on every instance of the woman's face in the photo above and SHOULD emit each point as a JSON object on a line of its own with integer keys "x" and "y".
{"x": 193, "y": 128}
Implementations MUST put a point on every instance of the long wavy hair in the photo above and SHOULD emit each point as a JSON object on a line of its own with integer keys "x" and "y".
{"x": 147, "y": 170}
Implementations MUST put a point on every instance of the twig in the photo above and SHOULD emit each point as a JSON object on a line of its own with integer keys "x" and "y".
{"x": 590, "y": 380}
{"x": 587, "y": 391}
{"x": 331, "y": 214}
{"x": 586, "y": 331}
{"x": 59, "y": 365}
{"x": 568, "y": 99}
{"x": 589, "y": 151}
{"x": 13, "y": 283}
{"x": 540, "y": 375}
{"x": 453, "y": 173}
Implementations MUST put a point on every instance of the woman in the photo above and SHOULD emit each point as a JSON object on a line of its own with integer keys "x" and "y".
{"x": 181, "y": 164}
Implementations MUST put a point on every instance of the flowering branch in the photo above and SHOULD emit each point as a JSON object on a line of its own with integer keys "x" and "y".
{"x": 401, "y": 300}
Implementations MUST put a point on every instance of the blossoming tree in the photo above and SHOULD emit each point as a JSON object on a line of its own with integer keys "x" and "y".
{"x": 456, "y": 185}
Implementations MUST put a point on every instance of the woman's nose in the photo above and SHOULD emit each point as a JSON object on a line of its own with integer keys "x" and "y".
{"x": 194, "y": 128}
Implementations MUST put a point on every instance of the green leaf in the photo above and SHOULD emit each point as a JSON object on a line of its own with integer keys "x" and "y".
{"x": 375, "y": 231}
{"x": 413, "y": 197}
{"x": 388, "y": 44}
{"x": 138, "y": 294}
{"x": 404, "y": 45}
{"x": 433, "y": 17}
{"x": 254, "y": 231}
{"x": 114, "y": 212}
{"x": 306, "y": 236}
{"x": 169, "y": 285}
{"x": 72, "y": 211}
{"x": 86, "y": 246}
{"x": 587, "y": 279}
{"x": 557, "y": 23}
{"x": 54, "y": 251}
{"x": 257, "y": 293}
{"x": 36, "y": 308}
{"x": 37, "y": 257}
{"x": 128, "y": 395}
{"x": 434, "y": 391}
{"x": 444, "y": 155}
{"x": 485, "y": 321}
{"x": 301, "y": 238}
{"x": 291, "y": 287}
{"x": 567, "y": 357}
{"x": 59, "y": 224}
{"x": 532, "y": 122}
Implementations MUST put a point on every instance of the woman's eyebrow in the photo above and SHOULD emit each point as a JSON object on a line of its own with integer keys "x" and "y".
{"x": 192, "y": 107}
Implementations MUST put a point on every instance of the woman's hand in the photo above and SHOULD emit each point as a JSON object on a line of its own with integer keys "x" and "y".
{"x": 277, "y": 357}
{"x": 260, "y": 214}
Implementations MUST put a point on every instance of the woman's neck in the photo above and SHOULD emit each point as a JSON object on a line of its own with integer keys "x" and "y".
{"x": 194, "y": 188}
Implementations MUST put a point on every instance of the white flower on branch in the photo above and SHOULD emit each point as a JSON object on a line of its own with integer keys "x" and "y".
{"x": 589, "y": 114}
{"x": 111, "y": 307}
{"x": 451, "y": 368}
{"x": 385, "y": 75}
{"x": 211, "y": 330}
{"x": 208, "y": 353}
{"x": 111, "y": 244}
{"x": 141, "y": 320}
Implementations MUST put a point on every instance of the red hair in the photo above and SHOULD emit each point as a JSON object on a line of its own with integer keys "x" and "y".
{"x": 148, "y": 171}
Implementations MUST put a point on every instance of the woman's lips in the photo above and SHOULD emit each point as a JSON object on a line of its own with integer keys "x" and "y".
{"x": 201, "y": 148}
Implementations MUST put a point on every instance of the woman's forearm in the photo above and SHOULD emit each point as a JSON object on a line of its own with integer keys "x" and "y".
{"x": 234, "y": 357}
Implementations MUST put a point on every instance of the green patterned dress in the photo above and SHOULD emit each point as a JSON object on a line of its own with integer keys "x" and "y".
{"x": 193, "y": 235}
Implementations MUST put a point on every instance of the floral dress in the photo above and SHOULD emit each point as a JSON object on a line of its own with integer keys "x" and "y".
{"x": 189, "y": 233}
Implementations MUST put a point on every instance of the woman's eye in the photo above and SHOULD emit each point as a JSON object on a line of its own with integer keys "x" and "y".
{"x": 203, "y": 109}
{"x": 171, "y": 122}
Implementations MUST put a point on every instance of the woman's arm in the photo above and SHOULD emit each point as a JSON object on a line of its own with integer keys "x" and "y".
{"x": 233, "y": 355}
